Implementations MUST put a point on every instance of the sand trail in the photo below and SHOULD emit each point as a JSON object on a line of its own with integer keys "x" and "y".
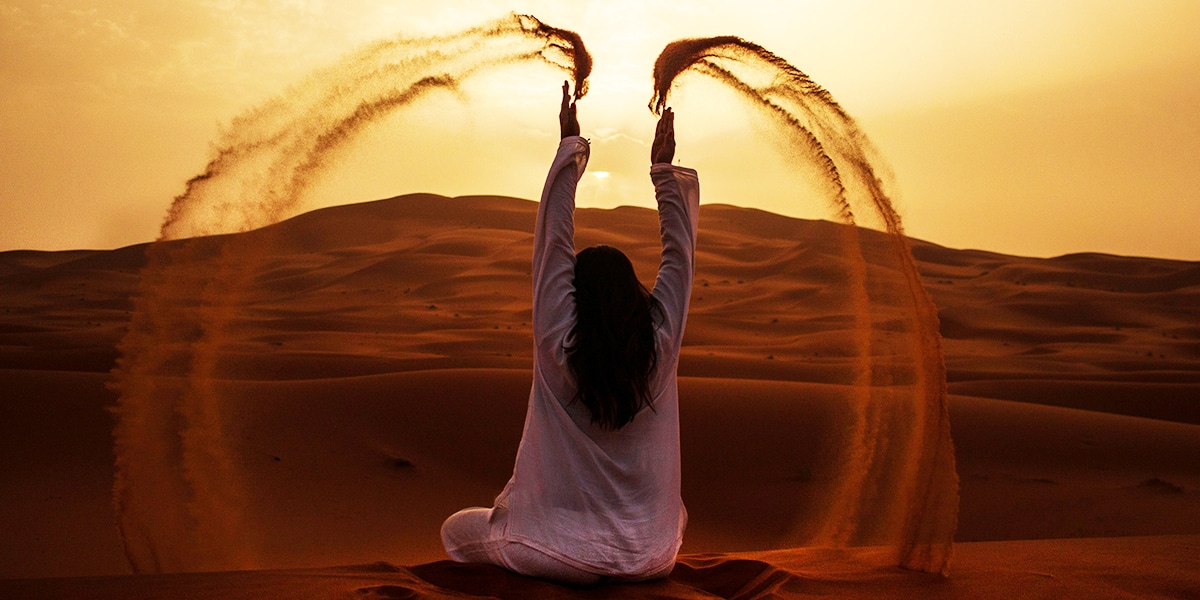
{"x": 178, "y": 493}
{"x": 897, "y": 483}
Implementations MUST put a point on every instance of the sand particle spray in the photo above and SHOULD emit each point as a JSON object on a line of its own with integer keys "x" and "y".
{"x": 178, "y": 498}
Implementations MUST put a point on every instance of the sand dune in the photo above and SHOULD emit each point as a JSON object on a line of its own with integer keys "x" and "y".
{"x": 1079, "y": 568}
{"x": 375, "y": 335}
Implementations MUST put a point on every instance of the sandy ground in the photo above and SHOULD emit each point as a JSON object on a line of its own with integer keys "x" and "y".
{"x": 376, "y": 372}
{"x": 1130, "y": 567}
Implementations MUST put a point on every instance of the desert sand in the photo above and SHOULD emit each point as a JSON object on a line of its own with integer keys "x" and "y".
{"x": 380, "y": 363}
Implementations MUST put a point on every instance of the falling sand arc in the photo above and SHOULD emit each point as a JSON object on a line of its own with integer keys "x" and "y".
{"x": 894, "y": 481}
{"x": 177, "y": 494}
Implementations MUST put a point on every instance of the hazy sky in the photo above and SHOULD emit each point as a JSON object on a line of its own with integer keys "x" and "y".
{"x": 1028, "y": 127}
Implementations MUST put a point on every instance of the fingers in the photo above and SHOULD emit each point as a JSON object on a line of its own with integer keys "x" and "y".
{"x": 568, "y": 103}
{"x": 663, "y": 148}
{"x": 568, "y": 123}
{"x": 664, "y": 132}
{"x": 666, "y": 123}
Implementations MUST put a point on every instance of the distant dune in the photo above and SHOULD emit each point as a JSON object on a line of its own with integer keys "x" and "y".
{"x": 383, "y": 354}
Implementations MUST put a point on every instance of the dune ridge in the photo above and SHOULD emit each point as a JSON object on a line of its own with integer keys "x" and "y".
{"x": 1079, "y": 320}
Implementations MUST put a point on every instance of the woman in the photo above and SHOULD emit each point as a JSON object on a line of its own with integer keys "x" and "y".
{"x": 594, "y": 494}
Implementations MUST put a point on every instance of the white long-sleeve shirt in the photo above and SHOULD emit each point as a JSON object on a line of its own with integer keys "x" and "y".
{"x": 604, "y": 501}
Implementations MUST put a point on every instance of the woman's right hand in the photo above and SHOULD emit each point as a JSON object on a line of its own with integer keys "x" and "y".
{"x": 663, "y": 148}
{"x": 568, "y": 122}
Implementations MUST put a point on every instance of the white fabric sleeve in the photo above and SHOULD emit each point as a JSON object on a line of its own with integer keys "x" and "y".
{"x": 677, "y": 190}
{"x": 554, "y": 244}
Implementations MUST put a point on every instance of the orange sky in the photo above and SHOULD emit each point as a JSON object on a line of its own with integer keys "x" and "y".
{"x": 1035, "y": 128}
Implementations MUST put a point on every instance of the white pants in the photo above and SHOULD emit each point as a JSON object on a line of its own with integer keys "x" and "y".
{"x": 469, "y": 536}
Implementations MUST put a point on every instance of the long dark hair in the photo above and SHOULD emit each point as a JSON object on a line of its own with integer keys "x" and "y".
{"x": 612, "y": 352}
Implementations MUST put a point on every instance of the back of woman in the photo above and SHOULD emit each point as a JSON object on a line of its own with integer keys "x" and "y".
{"x": 595, "y": 491}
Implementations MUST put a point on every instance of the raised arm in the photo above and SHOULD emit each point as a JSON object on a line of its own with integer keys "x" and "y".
{"x": 553, "y": 236}
{"x": 678, "y": 192}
